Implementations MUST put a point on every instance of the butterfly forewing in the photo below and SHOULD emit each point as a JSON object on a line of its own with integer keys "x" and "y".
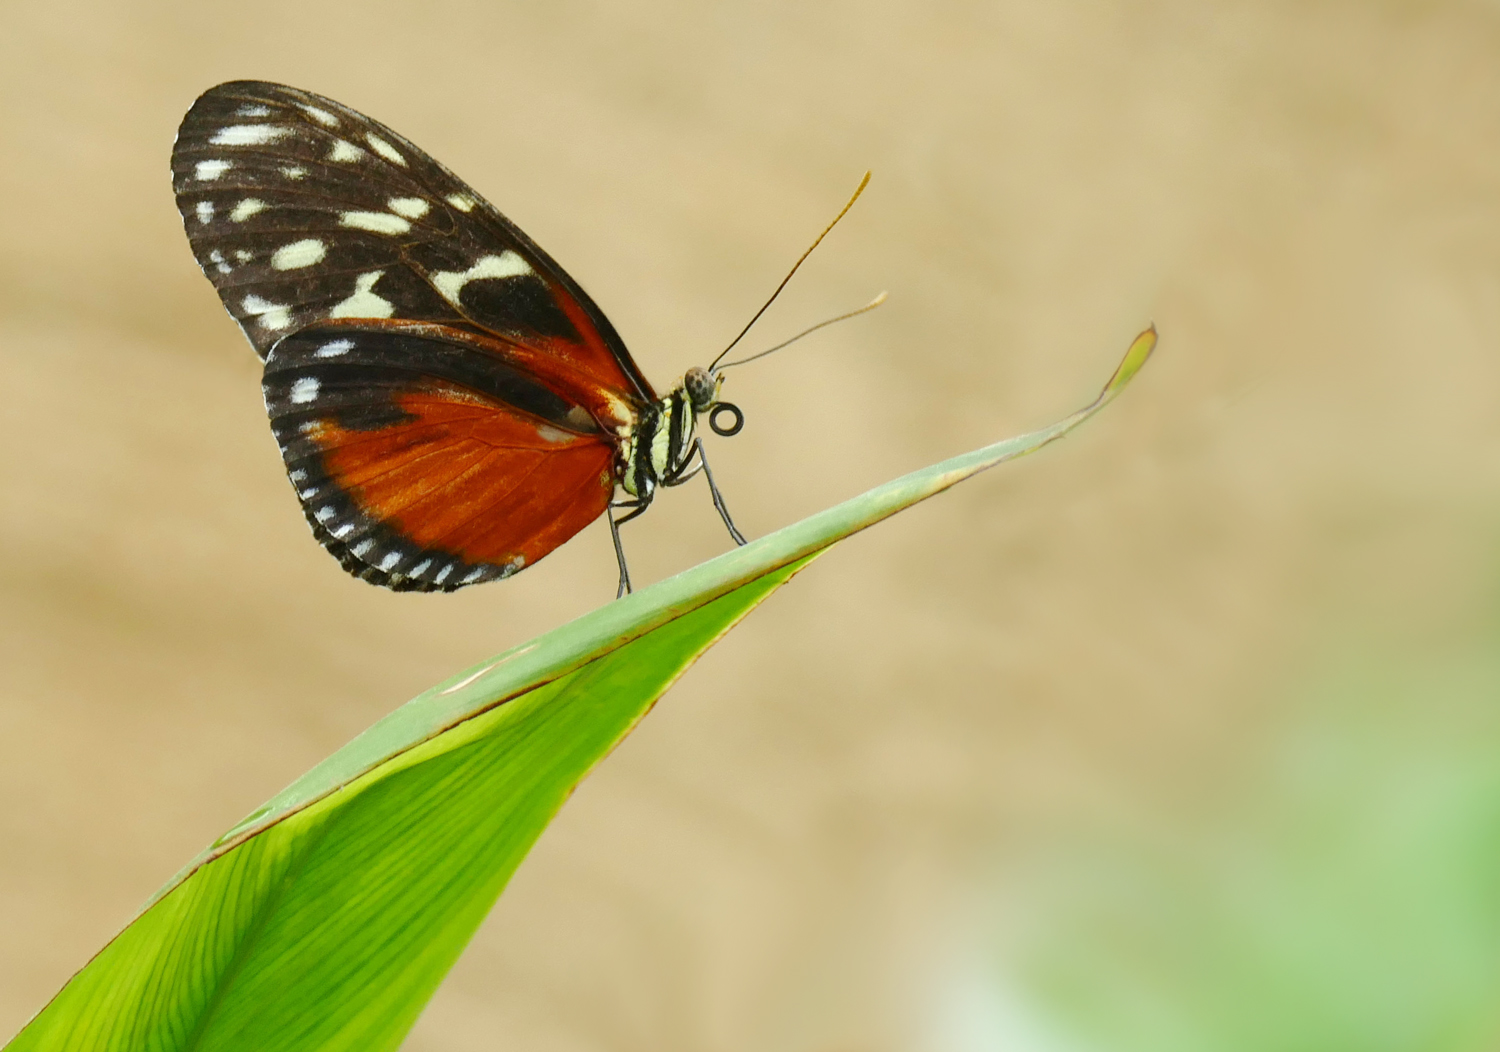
{"x": 447, "y": 399}
{"x": 300, "y": 209}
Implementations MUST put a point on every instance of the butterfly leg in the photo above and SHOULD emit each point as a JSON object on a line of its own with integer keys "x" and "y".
{"x": 683, "y": 476}
{"x": 713, "y": 488}
{"x": 638, "y": 506}
{"x": 614, "y": 532}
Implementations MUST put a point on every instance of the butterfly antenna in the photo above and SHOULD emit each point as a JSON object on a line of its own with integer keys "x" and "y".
{"x": 816, "y": 241}
{"x": 877, "y": 301}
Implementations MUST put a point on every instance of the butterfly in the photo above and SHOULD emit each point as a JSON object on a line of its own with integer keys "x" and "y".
{"x": 451, "y": 406}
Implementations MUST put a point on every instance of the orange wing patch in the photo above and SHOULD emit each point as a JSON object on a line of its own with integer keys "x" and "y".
{"x": 484, "y": 483}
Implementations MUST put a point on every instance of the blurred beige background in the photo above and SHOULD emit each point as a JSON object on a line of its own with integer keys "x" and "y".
{"x": 813, "y": 840}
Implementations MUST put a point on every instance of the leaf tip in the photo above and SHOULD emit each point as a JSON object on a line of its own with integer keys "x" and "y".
{"x": 1140, "y": 350}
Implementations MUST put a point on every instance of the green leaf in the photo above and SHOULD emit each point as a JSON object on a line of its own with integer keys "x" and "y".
{"x": 326, "y": 919}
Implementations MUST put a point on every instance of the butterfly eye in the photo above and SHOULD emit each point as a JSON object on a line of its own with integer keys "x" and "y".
{"x": 701, "y": 388}
{"x": 734, "y": 411}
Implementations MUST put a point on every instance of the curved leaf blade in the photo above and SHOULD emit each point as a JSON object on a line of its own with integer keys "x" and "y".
{"x": 326, "y": 919}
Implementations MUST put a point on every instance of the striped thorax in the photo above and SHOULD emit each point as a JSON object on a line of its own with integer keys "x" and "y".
{"x": 658, "y": 447}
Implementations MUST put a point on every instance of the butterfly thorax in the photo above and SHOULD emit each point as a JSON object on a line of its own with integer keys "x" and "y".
{"x": 658, "y": 448}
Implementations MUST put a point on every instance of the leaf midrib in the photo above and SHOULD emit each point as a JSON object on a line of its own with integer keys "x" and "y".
{"x": 230, "y": 975}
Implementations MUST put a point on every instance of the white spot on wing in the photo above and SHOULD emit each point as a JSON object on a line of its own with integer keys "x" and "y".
{"x": 344, "y": 530}
{"x": 363, "y": 547}
{"x": 344, "y": 151}
{"x": 217, "y": 259}
{"x": 207, "y": 171}
{"x": 299, "y": 254}
{"x": 450, "y": 283}
{"x": 243, "y": 256}
{"x": 379, "y": 222}
{"x": 323, "y": 117}
{"x": 581, "y": 418}
{"x": 204, "y": 211}
{"x": 462, "y": 202}
{"x": 309, "y": 494}
{"x": 410, "y": 207}
{"x": 472, "y": 576}
{"x": 384, "y": 148}
{"x": 419, "y": 568}
{"x": 297, "y": 476}
{"x": 552, "y": 434}
{"x": 389, "y": 562}
{"x": 295, "y": 171}
{"x": 336, "y": 348}
{"x": 364, "y": 303}
{"x": 252, "y": 110}
{"x": 249, "y": 134}
{"x": 325, "y": 513}
{"x": 517, "y": 564}
{"x": 442, "y": 575}
{"x": 304, "y": 390}
{"x": 272, "y": 316}
{"x": 247, "y": 208}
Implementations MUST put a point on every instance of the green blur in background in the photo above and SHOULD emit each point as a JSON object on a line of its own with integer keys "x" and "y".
{"x": 1179, "y": 734}
{"x": 1343, "y": 890}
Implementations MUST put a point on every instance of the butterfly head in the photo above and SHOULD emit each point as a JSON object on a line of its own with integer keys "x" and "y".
{"x": 702, "y": 387}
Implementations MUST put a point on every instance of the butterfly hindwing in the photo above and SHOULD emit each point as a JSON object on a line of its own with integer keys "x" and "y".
{"x": 420, "y": 465}
{"x": 301, "y": 210}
